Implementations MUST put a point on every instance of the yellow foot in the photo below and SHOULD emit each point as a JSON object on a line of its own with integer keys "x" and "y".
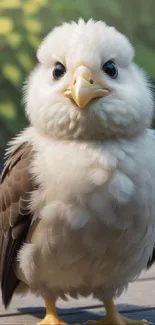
{"x": 117, "y": 319}
{"x": 52, "y": 320}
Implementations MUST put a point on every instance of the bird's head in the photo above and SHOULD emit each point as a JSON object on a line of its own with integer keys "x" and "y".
{"x": 86, "y": 85}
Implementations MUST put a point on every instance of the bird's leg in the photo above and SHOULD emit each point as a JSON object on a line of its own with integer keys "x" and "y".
{"x": 51, "y": 317}
{"x": 114, "y": 318}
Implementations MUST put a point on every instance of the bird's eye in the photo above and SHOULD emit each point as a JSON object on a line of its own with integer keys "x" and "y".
{"x": 59, "y": 70}
{"x": 110, "y": 69}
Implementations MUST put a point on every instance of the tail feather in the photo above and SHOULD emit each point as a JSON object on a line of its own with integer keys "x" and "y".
{"x": 151, "y": 260}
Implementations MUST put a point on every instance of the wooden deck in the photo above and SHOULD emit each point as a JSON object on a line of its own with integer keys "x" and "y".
{"x": 138, "y": 302}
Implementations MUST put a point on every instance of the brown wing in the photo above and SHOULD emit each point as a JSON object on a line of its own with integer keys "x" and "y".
{"x": 15, "y": 217}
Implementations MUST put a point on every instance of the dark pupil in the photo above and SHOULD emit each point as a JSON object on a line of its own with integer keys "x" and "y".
{"x": 110, "y": 69}
{"x": 59, "y": 70}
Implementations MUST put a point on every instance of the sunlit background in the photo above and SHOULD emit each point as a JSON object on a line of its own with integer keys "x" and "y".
{"x": 23, "y": 24}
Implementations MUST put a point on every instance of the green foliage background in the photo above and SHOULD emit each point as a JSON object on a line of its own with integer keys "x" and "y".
{"x": 23, "y": 24}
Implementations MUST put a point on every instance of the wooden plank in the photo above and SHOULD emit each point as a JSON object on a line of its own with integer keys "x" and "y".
{"x": 150, "y": 274}
{"x": 79, "y": 317}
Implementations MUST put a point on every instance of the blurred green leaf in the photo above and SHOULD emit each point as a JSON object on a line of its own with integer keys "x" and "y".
{"x": 7, "y": 110}
{"x": 33, "y": 25}
{"x": 41, "y": 2}
{"x": 144, "y": 58}
{"x": 14, "y": 39}
{"x": 25, "y": 60}
{"x": 7, "y": 4}
{"x": 12, "y": 73}
{"x": 114, "y": 8}
{"x": 33, "y": 40}
{"x": 30, "y": 8}
{"x": 6, "y": 25}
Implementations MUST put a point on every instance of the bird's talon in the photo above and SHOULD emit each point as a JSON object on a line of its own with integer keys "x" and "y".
{"x": 50, "y": 320}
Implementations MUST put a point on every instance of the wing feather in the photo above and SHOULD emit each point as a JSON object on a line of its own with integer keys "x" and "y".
{"x": 15, "y": 216}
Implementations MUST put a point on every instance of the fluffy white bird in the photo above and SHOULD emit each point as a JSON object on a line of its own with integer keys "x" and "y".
{"x": 77, "y": 196}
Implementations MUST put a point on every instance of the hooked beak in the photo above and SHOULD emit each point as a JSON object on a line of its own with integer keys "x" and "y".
{"x": 83, "y": 88}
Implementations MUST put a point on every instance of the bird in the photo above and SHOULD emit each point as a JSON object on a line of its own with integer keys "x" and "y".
{"x": 77, "y": 193}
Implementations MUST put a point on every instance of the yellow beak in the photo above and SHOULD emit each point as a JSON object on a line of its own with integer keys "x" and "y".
{"x": 83, "y": 88}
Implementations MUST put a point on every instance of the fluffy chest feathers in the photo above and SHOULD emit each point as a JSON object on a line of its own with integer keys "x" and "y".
{"x": 111, "y": 181}
{"x": 94, "y": 215}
